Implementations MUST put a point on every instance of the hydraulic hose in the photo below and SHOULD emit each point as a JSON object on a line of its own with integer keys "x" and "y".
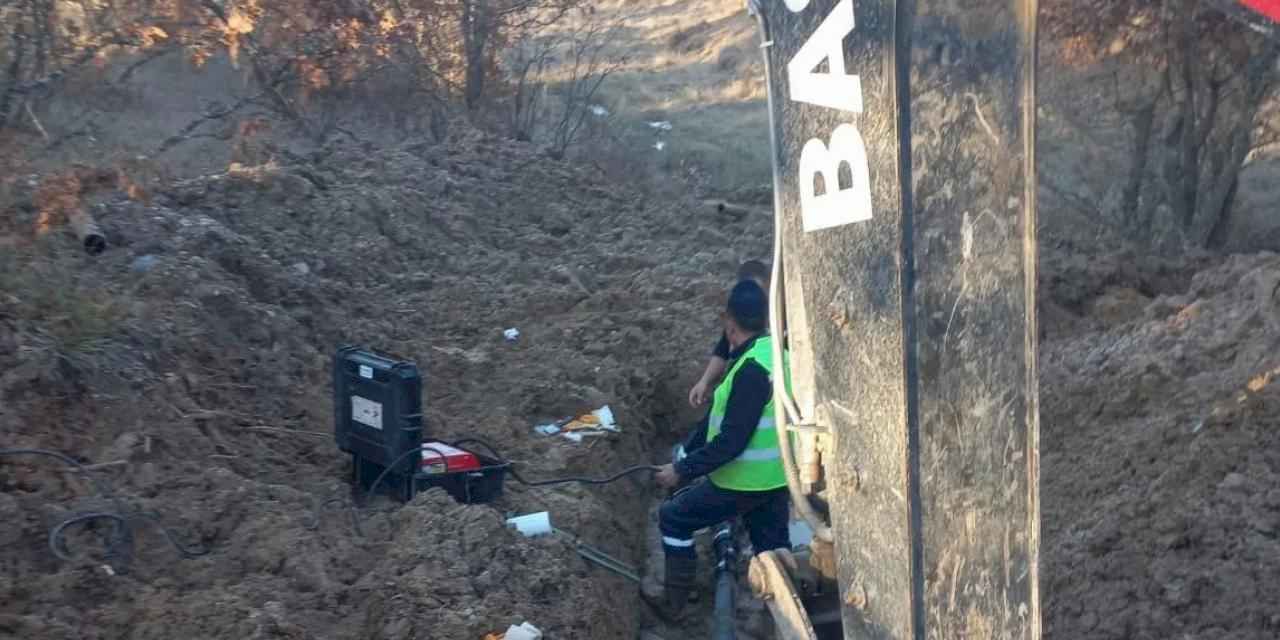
{"x": 784, "y": 406}
{"x": 722, "y": 621}
{"x": 544, "y": 483}
{"x": 120, "y": 541}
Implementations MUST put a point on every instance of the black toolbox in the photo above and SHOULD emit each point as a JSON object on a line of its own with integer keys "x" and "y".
{"x": 378, "y": 419}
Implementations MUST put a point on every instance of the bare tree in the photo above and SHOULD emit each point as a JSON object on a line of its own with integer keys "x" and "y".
{"x": 488, "y": 25}
{"x": 529, "y": 62}
{"x": 13, "y": 71}
{"x": 588, "y": 61}
{"x": 1193, "y": 129}
{"x": 478, "y": 23}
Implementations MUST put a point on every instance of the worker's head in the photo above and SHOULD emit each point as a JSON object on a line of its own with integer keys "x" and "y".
{"x": 747, "y": 313}
{"x": 756, "y": 271}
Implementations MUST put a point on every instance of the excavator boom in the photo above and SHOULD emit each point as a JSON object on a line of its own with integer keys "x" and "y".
{"x": 904, "y": 165}
{"x": 903, "y": 147}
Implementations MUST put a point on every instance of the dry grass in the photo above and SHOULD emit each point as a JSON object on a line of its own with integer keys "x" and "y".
{"x": 693, "y": 64}
{"x": 44, "y": 291}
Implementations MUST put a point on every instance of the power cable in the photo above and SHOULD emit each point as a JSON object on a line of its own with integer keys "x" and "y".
{"x": 553, "y": 481}
{"x": 359, "y": 506}
{"x": 119, "y": 543}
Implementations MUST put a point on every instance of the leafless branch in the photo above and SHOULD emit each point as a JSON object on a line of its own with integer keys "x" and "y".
{"x": 188, "y": 132}
{"x": 86, "y": 131}
{"x": 591, "y": 65}
{"x": 84, "y": 57}
{"x": 150, "y": 56}
{"x": 36, "y": 121}
{"x": 1080, "y": 204}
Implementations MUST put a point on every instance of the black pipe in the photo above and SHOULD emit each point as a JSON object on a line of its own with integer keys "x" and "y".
{"x": 88, "y": 232}
{"x": 722, "y": 622}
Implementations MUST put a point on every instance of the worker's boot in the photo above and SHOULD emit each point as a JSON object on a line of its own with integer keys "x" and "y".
{"x": 681, "y": 574}
{"x": 676, "y": 587}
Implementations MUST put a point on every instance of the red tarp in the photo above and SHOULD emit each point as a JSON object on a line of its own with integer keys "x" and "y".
{"x": 1269, "y": 8}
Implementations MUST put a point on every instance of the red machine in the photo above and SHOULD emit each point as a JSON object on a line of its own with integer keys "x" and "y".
{"x": 1268, "y": 8}
{"x": 438, "y": 457}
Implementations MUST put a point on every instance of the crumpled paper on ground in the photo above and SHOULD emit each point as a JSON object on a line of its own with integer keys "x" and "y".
{"x": 597, "y": 423}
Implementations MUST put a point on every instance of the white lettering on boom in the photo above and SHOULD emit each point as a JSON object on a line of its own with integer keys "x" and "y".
{"x": 834, "y": 89}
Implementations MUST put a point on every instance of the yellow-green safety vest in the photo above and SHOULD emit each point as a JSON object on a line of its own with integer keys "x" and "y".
{"x": 759, "y": 466}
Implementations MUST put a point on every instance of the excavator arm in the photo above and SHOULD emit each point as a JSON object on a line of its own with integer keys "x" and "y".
{"x": 903, "y": 148}
{"x": 1266, "y": 11}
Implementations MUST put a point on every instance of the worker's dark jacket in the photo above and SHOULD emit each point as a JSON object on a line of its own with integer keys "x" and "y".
{"x": 747, "y": 399}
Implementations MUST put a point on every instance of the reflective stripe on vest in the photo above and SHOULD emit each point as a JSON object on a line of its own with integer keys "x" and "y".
{"x": 766, "y": 422}
{"x": 759, "y": 466}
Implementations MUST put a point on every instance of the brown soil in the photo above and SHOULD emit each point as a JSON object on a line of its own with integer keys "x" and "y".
{"x": 203, "y": 373}
{"x": 193, "y": 358}
{"x": 1161, "y": 454}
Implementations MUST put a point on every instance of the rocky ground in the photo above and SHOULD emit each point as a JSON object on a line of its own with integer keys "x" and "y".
{"x": 192, "y": 360}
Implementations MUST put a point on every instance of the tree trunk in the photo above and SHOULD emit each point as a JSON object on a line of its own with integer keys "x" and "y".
{"x": 1259, "y": 81}
{"x": 1188, "y": 149}
{"x": 477, "y": 25}
{"x": 1144, "y": 124}
{"x": 40, "y": 24}
{"x": 1221, "y": 184}
{"x": 1221, "y": 230}
{"x": 13, "y": 75}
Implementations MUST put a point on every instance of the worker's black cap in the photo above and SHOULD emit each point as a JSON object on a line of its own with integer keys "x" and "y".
{"x": 748, "y": 306}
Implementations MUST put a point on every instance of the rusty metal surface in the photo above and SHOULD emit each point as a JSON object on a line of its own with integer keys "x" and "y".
{"x": 921, "y": 334}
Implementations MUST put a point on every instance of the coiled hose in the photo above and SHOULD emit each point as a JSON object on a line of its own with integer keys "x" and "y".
{"x": 120, "y": 541}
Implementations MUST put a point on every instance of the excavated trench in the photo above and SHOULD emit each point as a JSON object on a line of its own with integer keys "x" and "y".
{"x": 751, "y": 619}
{"x": 203, "y": 380}
{"x": 634, "y": 504}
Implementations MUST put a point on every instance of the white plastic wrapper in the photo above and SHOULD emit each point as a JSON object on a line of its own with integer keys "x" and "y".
{"x": 525, "y": 631}
{"x": 532, "y": 524}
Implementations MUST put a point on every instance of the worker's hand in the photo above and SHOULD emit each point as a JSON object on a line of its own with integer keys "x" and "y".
{"x": 666, "y": 477}
{"x": 698, "y": 394}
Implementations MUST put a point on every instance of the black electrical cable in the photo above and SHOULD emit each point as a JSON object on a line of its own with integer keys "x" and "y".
{"x": 318, "y": 509}
{"x": 122, "y": 533}
{"x": 543, "y": 483}
{"x": 185, "y": 550}
{"x": 613, "y": 478}
{"x": 121, "y": 537}
{"x": 361, "y": 505}
{"x": 377, "y": 482}
{"x": 373, "y": 488}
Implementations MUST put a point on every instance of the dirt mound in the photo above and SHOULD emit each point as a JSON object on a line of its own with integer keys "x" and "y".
{"x": 192, "y": 358}
{"x": 1161, "y": 462}
{"x": 1084, "y": 290}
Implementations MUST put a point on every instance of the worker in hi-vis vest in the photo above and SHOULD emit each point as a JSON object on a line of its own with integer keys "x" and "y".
{"x": 735, "y": 447}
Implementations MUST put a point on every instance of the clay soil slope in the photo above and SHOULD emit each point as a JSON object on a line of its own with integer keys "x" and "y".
{"x": 1161, "y": 448}
{"x": 192, "y": 362}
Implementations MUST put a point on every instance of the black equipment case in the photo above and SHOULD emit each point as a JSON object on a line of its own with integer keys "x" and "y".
{"x": 378, "y": 419}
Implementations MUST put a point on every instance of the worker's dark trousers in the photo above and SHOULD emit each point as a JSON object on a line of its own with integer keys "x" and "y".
{"x": 766, "y": 515}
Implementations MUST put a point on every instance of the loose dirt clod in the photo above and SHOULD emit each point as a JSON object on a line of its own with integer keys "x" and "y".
{"x": 1161, "y": 455}
{"x": 202, "y": 380}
